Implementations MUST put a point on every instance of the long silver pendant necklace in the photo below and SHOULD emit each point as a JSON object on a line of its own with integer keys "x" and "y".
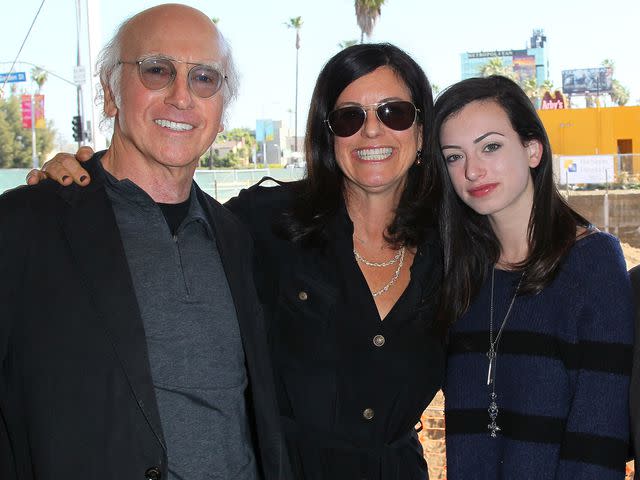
{"x": 492, "y": 355}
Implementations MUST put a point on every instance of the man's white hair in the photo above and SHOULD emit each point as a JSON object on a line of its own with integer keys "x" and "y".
{"x": 109, "y": 69}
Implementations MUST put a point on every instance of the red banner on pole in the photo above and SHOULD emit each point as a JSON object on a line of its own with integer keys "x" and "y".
{"x": 26, "y": 111}
{"x": 38, "y": 101}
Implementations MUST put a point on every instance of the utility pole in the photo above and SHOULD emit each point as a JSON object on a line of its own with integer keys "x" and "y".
{"x": 34, "y": 153}
{"x": 98, "y": 139}
{"x": 295, "y": 128}
{"x": 79, "y": 71}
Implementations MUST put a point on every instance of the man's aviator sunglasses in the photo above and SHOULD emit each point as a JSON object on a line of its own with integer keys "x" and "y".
{"x": 157, "y": 73}
{"x": 397, "y": 115}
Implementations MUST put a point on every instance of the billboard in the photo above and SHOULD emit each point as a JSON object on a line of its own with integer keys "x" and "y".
{"x": 491, "y": 54}
{"x": 524, "y": 65}
{"x": 25, "y": 104}
{"x": 586, "y": 169}
{"x": 29, "y": 115}
{"x": 592, "y": 80}
{"x": 38, "y": 114}
{"x": 264, "y": 131}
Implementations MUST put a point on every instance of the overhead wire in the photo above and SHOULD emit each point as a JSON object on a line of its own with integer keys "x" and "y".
{"x": 21, "y": 47}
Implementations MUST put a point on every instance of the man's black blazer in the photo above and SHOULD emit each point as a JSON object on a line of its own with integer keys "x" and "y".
{"x": 76, "y": 394}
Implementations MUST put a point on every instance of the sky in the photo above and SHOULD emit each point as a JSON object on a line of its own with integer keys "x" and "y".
{"x": 579, "y": 35}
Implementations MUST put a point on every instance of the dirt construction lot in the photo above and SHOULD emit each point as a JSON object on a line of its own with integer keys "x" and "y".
{"x": 631, "y": 254}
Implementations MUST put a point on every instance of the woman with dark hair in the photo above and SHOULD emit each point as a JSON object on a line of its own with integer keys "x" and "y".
{"x": 538, "y": 302}
{"x": 348, "y": 268}
{"x": 350, "y": 272}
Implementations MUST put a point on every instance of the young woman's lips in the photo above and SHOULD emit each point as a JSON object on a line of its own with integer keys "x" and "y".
{"x": 482, "y": 190}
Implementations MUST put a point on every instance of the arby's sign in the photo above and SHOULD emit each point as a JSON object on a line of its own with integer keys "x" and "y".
{"x": 553, "y": 102}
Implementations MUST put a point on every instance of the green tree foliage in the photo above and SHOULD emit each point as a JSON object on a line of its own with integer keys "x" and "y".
{"x": 245, "y": 141}
{"x": 609, "y": 63}
{"x": 530, "y": 87}
{"x": 15, "y": 141}
{"x": 547, "y": 86}
{"x": 213, "y": 159}
{"x": 39, "y": 76}
{"x": 619, "y": 93}
{"x": 367, "y": 13}
{"x": 495, "y": 67}
{"x": 246, "y": 136}
{"x": 295, "y": 23}
{"x": 347, "y": 43}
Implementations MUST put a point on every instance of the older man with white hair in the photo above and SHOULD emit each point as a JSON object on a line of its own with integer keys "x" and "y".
{"x": 159, "y": 366}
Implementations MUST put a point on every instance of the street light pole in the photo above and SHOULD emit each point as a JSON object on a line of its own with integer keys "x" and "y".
{"x": 34, "y": 154}
{"x": 78, "y": 84}
{"x": 295, "y": 128}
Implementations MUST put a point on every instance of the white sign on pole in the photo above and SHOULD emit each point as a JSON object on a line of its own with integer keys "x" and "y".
{"x": 79, "y": 75}
{"x": 586, "y": 169}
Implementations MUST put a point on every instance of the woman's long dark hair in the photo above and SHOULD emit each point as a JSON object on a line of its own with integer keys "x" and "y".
{"x": 470, "y": 245}
{"x": 320, "y": 193}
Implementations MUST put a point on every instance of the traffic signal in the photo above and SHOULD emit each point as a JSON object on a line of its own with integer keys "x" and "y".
{"x": 77, "y": 128}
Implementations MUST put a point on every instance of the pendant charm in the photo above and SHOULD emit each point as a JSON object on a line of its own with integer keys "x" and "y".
{"x": 491, "y": 355}
{"x": 493, "y": 414}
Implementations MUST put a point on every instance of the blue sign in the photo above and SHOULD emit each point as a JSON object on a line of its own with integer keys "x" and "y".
{"x": 13, "y": 77}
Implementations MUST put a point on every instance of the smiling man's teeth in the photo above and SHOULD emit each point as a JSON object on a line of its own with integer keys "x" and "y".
{"x": 181, "y": 127}
{"x": 374, "y": 153}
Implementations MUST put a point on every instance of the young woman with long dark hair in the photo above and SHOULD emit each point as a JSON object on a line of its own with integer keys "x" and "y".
{"x": 538, "y": 302}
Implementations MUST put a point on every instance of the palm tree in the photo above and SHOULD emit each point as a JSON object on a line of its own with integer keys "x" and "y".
{"x": 547, "y": 86}
{"x": 530, "y": 87}
{"x": 589, "y": 100}
{"x": 367, "y": 13}
{"x": 608, "y": 63}
{"x": 347, "y": 43}
{"x": 619, "y": 94}
{"x": 495, "y": 67}
{"x": 39, "y": 76}
{"x": 296, "y": 22}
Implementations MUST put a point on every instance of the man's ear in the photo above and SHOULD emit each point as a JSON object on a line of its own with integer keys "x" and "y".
{"x": 534, "y": 150}
{"x": 110, "y": 106}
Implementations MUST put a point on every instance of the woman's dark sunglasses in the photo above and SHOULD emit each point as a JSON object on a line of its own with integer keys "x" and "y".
{"x": 397, "y": 115}
{"x": 157, "y": 73}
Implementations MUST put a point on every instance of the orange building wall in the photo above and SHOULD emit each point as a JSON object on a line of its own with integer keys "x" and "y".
{"x": 592, "y": 131}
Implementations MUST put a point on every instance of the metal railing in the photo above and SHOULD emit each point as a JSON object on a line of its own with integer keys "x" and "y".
{"x": 220, "y": 184}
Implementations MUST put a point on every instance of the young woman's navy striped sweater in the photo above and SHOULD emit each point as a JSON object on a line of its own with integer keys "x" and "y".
{"x": 562, "y": 374}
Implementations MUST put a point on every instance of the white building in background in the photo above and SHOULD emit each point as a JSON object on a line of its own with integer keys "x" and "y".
{"x": 276, "y": 141}
{"x": 530, "y": 62}
{"x": 272, "y": 142}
